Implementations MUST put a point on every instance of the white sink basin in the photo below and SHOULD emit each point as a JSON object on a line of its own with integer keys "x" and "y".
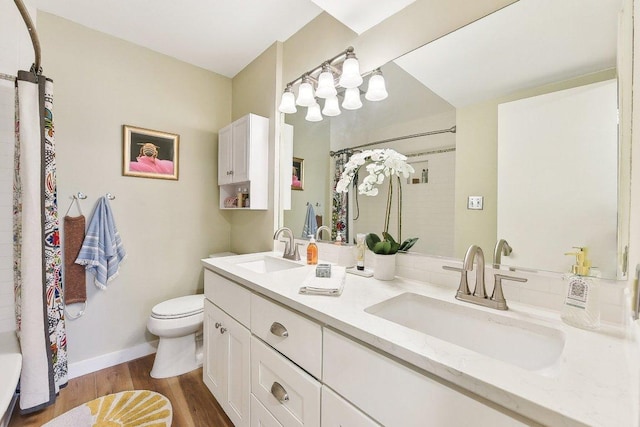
{"x": 267, "y": 264}
{"x": 517, "y": 342}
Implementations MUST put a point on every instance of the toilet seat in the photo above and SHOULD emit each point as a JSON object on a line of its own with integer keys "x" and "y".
{"x": 178, "y": 308}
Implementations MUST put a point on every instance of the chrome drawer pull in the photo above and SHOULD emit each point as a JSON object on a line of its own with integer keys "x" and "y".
{"x": 217, "y": 325}
{"x": 278, "y": 330}
{"x": 279, "y": 392}
{"x": 223, "y": 330}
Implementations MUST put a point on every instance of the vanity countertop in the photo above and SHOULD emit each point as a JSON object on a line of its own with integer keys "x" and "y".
{"x": 595, "y": 382}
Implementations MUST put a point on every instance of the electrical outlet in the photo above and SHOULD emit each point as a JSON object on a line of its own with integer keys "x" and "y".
{"x": 475, "y": 202}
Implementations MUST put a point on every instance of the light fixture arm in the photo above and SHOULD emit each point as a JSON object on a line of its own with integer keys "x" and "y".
{"x": 329, "y": 62}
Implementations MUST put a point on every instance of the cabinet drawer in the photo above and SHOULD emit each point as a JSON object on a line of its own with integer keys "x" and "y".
{"x": 337, "y": 412}
{"x": 285, "y": 390}
{"x": 295, "y": 336}
{"x": 229, "y": 296}
{"x": 260, "y": 417}
{"x": 396, "y": 395}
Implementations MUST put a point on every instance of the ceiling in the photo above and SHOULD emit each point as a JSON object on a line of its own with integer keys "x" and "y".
{"x": 527, "y": 44}
{"x": 219, "y": 35}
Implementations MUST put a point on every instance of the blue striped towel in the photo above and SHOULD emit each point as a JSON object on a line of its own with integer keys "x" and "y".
{"x": 102, "y": 250}
{"x": 310, "y": 223}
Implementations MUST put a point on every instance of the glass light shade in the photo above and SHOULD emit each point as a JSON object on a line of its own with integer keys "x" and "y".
{"x": 331, "y": 107}
{"x": 350, "y": 77}
{"x": 306, "y": 97}
{"x": 313, "y": 113}
{"x": 326, "y": 88}
{"x": 352, "y": 99}
{"x": 288, "y": 103}
{"x": 377, "y": 90}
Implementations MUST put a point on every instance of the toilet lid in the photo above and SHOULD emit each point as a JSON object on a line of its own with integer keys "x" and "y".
{"x": 179, "y": 307}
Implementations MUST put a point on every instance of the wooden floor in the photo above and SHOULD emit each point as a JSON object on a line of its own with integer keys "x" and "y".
{"x": 193, "y": 404}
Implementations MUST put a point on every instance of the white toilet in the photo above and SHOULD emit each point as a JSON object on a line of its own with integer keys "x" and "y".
{"x": 178, "y": 324}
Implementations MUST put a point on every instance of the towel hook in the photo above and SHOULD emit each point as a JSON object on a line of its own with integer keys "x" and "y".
{"x": 74, "y": 200}
{"x": 110, "y": 196}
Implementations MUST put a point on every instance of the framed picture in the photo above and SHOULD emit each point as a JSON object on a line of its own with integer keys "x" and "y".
{"x": 149, "y": 153}
{"x": 297, "y": 178}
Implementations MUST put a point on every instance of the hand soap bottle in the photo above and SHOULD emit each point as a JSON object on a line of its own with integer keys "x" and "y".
{"x": 581, "y": 305}
{"x": 312, "y": 251}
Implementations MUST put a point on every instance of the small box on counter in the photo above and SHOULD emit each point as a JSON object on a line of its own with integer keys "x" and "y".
{"x": 323, "y": 270}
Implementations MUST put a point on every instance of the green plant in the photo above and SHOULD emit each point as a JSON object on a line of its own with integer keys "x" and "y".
{"x": 387, "y": 245}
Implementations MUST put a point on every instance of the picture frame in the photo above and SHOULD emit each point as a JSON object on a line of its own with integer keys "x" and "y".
{"x": 148, "y": 153}
{"x": 297, "y": 175}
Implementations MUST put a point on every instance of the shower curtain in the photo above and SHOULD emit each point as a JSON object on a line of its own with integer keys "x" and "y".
{"x": 339, "y": 204}
{"x": 37, "y": 254}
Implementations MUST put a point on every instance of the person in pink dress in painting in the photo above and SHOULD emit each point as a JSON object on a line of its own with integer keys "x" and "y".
{"x": 295, "y": 181}
{"x": 148, "y": 161}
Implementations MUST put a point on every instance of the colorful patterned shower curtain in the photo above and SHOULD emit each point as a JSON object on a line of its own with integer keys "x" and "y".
{"x": 37, "y": 254}
{"x": 340, "y": 202}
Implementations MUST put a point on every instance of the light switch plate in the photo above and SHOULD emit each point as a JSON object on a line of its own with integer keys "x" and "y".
{"x": 475, "y": 202}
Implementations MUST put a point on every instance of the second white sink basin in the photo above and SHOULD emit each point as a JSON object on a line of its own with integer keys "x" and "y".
{"x": 268, "y": 264}
{"x": 517, "y": 342}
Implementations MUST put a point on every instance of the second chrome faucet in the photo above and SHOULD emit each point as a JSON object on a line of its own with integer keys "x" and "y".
{"x": 475, "y": 256}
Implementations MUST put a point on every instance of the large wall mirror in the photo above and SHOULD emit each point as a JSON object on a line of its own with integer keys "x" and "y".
{"x": 527, "y": 108}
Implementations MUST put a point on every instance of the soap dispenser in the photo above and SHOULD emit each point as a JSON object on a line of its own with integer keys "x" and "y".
{"x": 581, "y": 305}
{"x": 312, "y": 251}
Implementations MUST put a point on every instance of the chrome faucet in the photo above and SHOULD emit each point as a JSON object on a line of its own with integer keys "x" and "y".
{"x": 319, "y": 232}
{"x": 502, "y": 248}
{"x": 479, "y": 296}
{"x": 290, "y": 247}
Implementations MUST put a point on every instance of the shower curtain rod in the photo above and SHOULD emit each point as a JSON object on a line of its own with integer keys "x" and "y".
{"x": 452, "y": 129}
{"x": 32, "y": 32}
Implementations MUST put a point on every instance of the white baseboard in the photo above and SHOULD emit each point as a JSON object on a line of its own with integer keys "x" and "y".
{"x": 87, "y": 366}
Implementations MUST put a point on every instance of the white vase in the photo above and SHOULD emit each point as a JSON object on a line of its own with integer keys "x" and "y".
{"x": 385, "y": 267}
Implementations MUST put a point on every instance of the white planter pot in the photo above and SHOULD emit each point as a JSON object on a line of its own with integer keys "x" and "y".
{"x": 385, "y": 267}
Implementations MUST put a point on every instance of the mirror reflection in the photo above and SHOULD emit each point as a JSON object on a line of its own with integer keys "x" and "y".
{"x": 464, "y": 109}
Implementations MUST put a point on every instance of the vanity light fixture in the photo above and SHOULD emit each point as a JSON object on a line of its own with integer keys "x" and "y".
{"x": 313, "y": 113}
{"x": 331, "y": 107}
{"x": 352, "y": 99}
{"x": 288, "y": 102}
{"x": 326, "y": 85}
{"x": 320, "y": 82}
{"x": 306, "y": 97}
{"x": 350, "y": 77}
{"x": 377, "y": 90}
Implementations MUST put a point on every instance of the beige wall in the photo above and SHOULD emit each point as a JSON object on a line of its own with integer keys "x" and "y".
{"x": 101, "y": 83}
{"x": 255, "y": 91}
{"x": 477, "y": 163}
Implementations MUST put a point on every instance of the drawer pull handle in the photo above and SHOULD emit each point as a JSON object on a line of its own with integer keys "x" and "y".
{"x": 217, "y": 325}
{"x": 278, "y": 330}
{"x": 279, "y": 392}
{"x": 223, "y": 330}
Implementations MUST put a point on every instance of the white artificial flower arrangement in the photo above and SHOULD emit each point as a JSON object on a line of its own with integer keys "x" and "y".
{"x": 380, "y": 163}
{"x": 383, "y": 162}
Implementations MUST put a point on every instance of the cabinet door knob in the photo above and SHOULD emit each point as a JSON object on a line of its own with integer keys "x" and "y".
{"x": 279, "y": 392}
{"x": 279, "y": 330}
{"x": 223, "y": 330}
{"x": 217, "y": 325}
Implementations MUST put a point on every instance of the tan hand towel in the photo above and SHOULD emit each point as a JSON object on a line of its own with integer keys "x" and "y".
{"x": 75, "y": 286}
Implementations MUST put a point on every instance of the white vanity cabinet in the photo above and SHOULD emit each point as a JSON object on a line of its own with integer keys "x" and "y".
{"x": 396, "y": 395}
{"x": 337, "y": 412}
{"x": 271, "y": 366}
{"x": 227, "y": 348}
{"x": 243, "y": 152}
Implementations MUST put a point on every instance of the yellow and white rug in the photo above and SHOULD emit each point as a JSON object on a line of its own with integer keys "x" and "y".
{"x": 134, "y": 408}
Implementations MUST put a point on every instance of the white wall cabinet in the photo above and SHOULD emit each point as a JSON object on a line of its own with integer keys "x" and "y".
{"x": 243, "y": 160}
